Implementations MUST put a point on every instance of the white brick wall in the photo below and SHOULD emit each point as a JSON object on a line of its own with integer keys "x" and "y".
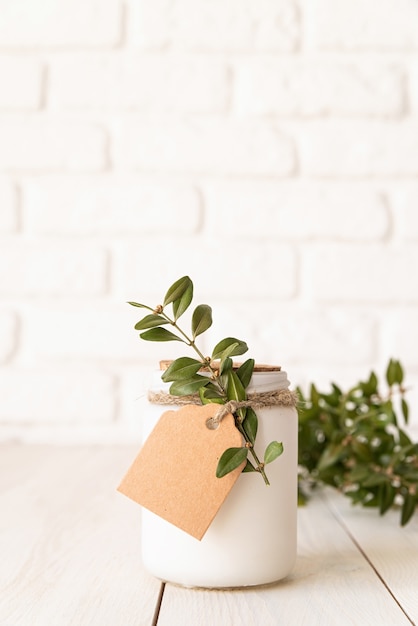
{"x": 21, "y": 80}
{"x": 175, "y": 83}
{"x": 216, "y": 25}
{"x": 47, "y": 145}
{"x": 52, "y": 269}
{"x": 127, "y": 206}
{"x": 380, "y": 149}
{"x": 210, "y": 145}
{"x": 268, "y": 148}
{"x": 26, "y": 24}
{"x": 270, "y": 86}
{"x": 357, "y": 25}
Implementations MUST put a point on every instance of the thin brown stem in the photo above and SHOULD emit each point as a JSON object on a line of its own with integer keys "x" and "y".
{"x": 215, "y": 379}
{"x": 259, "y": 464}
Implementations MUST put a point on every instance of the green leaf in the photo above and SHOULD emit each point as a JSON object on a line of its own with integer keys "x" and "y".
{"x": 235, "y": 390}
{"x": 180, "y": 305}
{"x": 404, "y": 452}
{"x": 209, "y": 395}
{"x": 185, "y": 388}
{"x": 398, "y": 373}
{"x": 387, "y": 496}
{"x": 245, "y": 372}
{"x": 224, "y": 344}
{"x": 359, "y": 473}
{"x": 391, "y": 373}
{"x": 160, "y": 334}
{"x": 373, "y": 382}
{"x": 362, "y": 450}
{"x": 405, "y": 410}
{"x": 228, "y": 351}
{"x": 177, "y": 289}
{"x": 357, "y": 496}
{"x": 150, "y": 321}
{"x": 273, "y": 450}
{"x": 371, "y": 502}
{"x": 230, "y": 460}
{"x": 374, "y": 480}
{"x": 250, "y": 424}
{"x": 411, "y": 476}
{"x": 370, "y": 387}
{"x": 225, "y": 365}
{"x": 141, "y": 306}
{"x": 314, "y": 395}
{"x": 404, "y": 439}
{"x": 183, "y": 368}
{"x": 249, "y": 467}
{"x": 408, "y": 508}
{"x": 201, "y": 319}
{"x": 330, "y": 456}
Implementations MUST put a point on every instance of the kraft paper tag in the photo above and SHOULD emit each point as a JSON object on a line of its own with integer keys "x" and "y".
{"x": 174, "y": 473}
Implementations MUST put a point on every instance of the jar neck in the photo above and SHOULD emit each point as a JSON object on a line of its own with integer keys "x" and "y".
{"x": 268, "y": 381}
{"x": 260, "y": 381}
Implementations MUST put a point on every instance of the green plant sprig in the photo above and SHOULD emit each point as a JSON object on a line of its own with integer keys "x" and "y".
{"x": 352, "y": 441}
{"x": 220, "y": 382}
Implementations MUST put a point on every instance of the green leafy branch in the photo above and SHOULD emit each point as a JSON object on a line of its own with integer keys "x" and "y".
{"x": 212, "y": 377}
{"x": 352, "y": 440}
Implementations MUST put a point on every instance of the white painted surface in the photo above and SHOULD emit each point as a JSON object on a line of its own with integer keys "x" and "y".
{"x": 71, "y": 556}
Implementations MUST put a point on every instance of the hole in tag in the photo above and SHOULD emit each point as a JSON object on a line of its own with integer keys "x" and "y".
{"x": 212, "y": 423}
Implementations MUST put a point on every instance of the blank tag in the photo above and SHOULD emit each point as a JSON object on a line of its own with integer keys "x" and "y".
{"x": 174, "y": 473}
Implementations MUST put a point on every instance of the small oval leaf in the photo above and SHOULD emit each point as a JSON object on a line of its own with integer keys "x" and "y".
{"x": 388, "y": 494}
{"x": 408, "y": 508}
{"x": 225, "y": 365}
{"x": 209, "y": 395}
{"x": 201, "y": 319}
{"x": 177, "y": 289}
{"x": 249, "y": 467}
{"x": 245, "y": 372}
{"x": 273, "y": 450}
{"x": 187, "y": 387}
{"x": 250, "y": 424}
{"x": 222, "y": 346}
{"x": 230, "y": 460}
{"x": 398, "y": 373}
{"x": 375, "y": 479}
{"x": 183, "y": 368}
{"x": 150, "y": 321}
{"x": 235, "y": 390}
{"x": 141, "y": 306}
{"x": 160, "y": 334}
{"x": 229, "y": 350}
{"x": 182, "y": 304}
{"x": 331, "y": 455}
{"x": 405, "y": 410}
{"x": 391, "y": 372}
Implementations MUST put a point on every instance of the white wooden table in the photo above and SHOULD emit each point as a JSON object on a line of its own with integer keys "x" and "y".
{"x": 69, "y": 555}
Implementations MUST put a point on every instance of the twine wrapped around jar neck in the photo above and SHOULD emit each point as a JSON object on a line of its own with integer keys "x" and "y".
{"x": 263, "y": 399}
{"x": 255, "y": 400}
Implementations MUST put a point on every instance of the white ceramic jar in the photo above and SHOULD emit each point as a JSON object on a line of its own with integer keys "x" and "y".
{"x": 252, "y": 540}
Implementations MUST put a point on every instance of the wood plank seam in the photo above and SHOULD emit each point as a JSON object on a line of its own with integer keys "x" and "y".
{"x": 158, "y": 605}
{"x": 344, "y": 526}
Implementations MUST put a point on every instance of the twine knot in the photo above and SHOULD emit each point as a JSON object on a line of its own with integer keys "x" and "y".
{"x": 230, "y": 407}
